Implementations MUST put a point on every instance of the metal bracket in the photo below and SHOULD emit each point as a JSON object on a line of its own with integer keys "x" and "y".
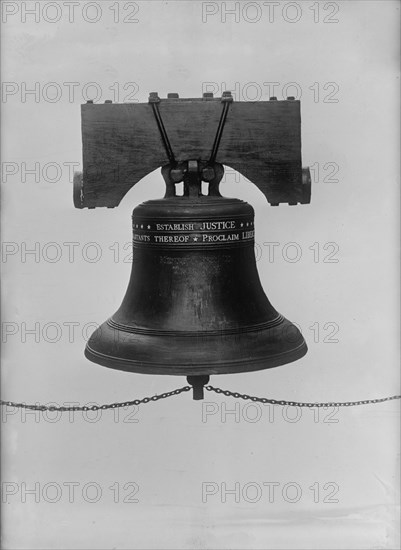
{"x": 154, "y": 100}
{"x": 226, "y": 100}
{"x": 198, "y": 383}
{"x": 192, "y": 173}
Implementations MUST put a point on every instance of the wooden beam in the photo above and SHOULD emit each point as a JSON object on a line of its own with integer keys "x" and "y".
{"x": 122, "y": 144}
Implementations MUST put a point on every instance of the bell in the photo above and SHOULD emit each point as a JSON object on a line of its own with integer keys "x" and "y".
{"x": 194, "y": 304}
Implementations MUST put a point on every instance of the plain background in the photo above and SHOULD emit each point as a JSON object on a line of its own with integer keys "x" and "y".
{"x": 171, "y": 449}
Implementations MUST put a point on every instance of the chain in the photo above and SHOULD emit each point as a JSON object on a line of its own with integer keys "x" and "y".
{"x": 299, "y": 403}
{"x": 97, "y": 407}
{"x": 188, "y": 388}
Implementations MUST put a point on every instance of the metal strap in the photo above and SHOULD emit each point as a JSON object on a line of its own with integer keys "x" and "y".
{"x": 163, "y": 133}
{"x": 219, "y": 133}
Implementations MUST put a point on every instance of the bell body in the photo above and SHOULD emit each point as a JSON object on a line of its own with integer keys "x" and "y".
{"x": 194, "y": 304}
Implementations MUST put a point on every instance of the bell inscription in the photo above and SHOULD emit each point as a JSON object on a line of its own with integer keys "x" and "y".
{"x": 198, "y": 232}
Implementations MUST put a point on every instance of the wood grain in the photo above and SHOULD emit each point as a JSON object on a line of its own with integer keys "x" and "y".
{"x": 122, "y": 144}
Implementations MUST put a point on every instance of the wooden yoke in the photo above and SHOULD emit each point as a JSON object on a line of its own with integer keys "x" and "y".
{"x": 122, "y": 143}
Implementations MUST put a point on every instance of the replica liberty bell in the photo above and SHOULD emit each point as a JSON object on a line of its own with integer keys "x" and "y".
{"x": 194, "y": 304}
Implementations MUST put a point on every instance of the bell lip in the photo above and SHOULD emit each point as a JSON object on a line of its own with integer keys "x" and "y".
{"x": 223, "y": 367}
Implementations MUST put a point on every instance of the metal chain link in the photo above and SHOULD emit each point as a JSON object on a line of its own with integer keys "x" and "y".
{"x": 300, "y": 403}
{"x": 98, "y": 407}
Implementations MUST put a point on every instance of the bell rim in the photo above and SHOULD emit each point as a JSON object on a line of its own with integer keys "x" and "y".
{"x": 231, "y": 366}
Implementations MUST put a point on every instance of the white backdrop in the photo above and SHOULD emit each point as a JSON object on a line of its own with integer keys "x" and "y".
{"x": 298, "y": 479}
